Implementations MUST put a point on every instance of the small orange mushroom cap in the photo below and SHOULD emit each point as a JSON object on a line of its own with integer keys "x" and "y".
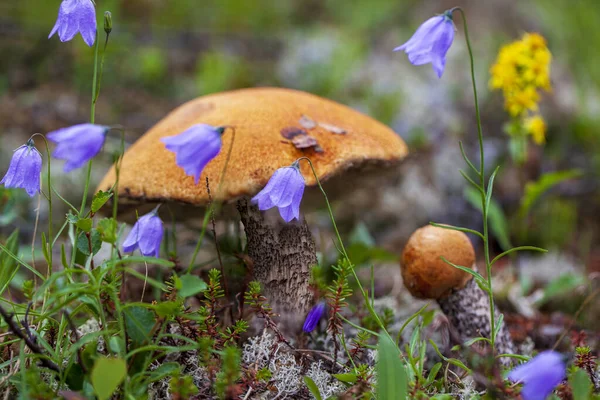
{"x": 425, "y": 274}
{"x": 261, "y": 117}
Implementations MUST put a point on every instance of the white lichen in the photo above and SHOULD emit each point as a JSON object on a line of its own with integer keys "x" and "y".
{"x": 328, "y": 386}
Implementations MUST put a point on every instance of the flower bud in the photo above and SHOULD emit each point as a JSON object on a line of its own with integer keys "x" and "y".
{"x": 107, "y": 22}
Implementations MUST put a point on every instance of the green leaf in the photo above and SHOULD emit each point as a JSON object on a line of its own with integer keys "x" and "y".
{"x": 488, "y": 196}
{"x": 45, "y": 248}
{"x": 312, "y": 386}
{"x": 83, "y": 245}
{"x": 139, "y": 322}
{"x": 433, "y": 373}
{"x": 346, "y": 378}
{"x": 534, "y": 190}
{"x": 8, "y": 265}
{"x": 581, "y": 385}
{"x": 190, "y": 285}
{"x": 497, "y": 218}
{"x": 562, "y": 285}
{"x": 99, "y": 200}
{"x": 116, "y": 344}
{"x": 498, "y": 325}
{"x": 391, "y": 374}
{"x": 107, "y": 375}
{"x": 165, "y": 370}
{"x": 107, "y": 228}
{"x": 476, "y": 274}
{"x": 85, "y": 224}
{"x": 168, "y": 309}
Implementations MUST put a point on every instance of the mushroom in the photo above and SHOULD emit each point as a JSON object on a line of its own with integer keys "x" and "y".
{"x": 427, "y": 276}
{"x": 273, "y": 128}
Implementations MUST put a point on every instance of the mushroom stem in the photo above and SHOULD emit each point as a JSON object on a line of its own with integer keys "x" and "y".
{"x": 282, "y": 261}
{"x": 468, "y": 310}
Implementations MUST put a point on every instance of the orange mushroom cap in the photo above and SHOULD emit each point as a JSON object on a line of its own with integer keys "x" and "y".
{"x": 347, "y": 138}
{"x": 424, "y": 273}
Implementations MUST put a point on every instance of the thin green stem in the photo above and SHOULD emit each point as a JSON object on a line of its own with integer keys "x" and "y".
{"x": 484, "y": 208}
{"x": 342, "y": 249}
{"x": 49, "y": 197}
{"x": 212, "y": 207}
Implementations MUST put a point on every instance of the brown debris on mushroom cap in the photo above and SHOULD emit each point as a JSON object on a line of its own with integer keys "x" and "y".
{"x": 149, "y": 172}
{"x": 424, "y": 273}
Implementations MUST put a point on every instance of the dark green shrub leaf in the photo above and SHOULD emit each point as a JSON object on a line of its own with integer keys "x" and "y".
{"x": 107, "y": 375}
{"x": 139, "y": 322}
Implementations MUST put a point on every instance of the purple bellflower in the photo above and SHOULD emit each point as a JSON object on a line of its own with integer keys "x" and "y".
{"x": 284, "y": 191}
{"x": 146, "y": 235}
{"x": 195, "y": 147}
{"x": 540, "y": 375}
{"x": 313, "y": 317}
{"x": 78, "y": 144}
{"x": 24, "y": 169}
{"x": 76, "y": 16}
{"x": 431, "y": 42}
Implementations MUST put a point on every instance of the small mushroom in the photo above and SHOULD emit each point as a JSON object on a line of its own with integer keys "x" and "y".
{"x": 282, "y": 254}
{"x": 427, "y": 276}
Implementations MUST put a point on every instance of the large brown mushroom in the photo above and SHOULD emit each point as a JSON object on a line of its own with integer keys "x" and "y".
{"x": 273, "y": 127}
{"x": 427, "y": 276}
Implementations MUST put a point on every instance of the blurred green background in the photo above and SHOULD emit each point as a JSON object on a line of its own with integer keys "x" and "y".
{"x": 163, "y": 53}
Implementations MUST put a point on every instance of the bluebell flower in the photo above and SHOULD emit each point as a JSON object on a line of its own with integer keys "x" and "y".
{"x": 431, "y": 42}
{"x": 540, "y": 375}
{"x": 284, "y": 191}
{"x": 313, "y": 317}
{"x": 78, "y": 144}
{"x": 76, "y": 16}
{"x": 146, "y": 235}
{"x": 195, "y": 147}
{"x": 24, "y": 169}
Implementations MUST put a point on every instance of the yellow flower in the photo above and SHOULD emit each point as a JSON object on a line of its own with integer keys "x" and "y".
{"x": 536, "y": 127}
{"x": 518, "y": 102}
{"x": 521, "y": 68}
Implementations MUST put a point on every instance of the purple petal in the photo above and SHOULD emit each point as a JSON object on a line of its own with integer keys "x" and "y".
{"x": 540, "y": 375}
{"x": 421, "y": 38}
{"x": 24, "y": 170}
{"x": 431, "y": 42}
{"x": 440, "y": 48}
{"x": 151, "y": 237}
{"x": 78, "y": 144}
{"x": 313, "y": 317}
{"x": 76, "y": 16}
{"x": 194, "y": 148}
{"x": 146, "y": 235}
{"x": 284, "y": 191}
{"x": 131, "y": 241}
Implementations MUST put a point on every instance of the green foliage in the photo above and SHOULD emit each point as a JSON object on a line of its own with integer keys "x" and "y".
{"x": 312, "y": 387}
{"x": 581, "y": 385}
{"x": 189, "y": 285}
{"x": 534, "y": 190}
{"x": 139, "y": 323}
{"x": 230, "y": 372}
{"x": 107, "y": 228}
{"x": 99, "y": 200}
{"x": 107, "y": 375}
{"x": 8, "y": 265}
{"x": 391, "y": 373}
{"x": 182, "y": 387}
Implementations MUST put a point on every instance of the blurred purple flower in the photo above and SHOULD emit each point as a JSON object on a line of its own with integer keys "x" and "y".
{"x": 431, "y": 42}
{"x": 78, "y": 144}
{"x": 76, "y": 16}
{"x": 24, "y": 169}
{"x": 313, "y": 317}
{"x": 195, "y": 147}
{"x": 146, "y": 235}
{"x": 540, "y": 375}
{"x": 284, "y": 191}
